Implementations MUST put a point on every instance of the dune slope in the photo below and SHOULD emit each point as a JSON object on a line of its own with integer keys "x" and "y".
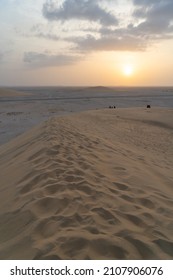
{"x": 94, "y": 185}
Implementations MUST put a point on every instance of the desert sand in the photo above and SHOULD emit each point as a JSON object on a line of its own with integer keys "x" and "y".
{"x": 7, "y": 92}
{"x": 92, "y": 185}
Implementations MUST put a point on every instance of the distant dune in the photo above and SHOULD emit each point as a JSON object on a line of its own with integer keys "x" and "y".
{"x": 98, "y": 88}
{"x": 8, "y": 92}
{"x": 93, "y": 185}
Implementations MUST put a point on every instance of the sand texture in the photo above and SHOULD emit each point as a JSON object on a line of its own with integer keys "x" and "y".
{"x": 92, "y": 185}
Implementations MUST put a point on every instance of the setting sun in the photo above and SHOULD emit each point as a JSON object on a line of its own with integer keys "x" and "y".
{"x": 128, "y": 70}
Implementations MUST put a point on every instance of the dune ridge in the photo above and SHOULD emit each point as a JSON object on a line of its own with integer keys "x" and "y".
{"x": 92, "y": 185}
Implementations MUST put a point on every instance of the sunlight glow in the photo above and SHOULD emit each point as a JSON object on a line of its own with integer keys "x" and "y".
{"x": 128, "y": 70}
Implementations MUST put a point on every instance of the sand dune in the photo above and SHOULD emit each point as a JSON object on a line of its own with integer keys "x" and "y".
{"x": 94, "y": 185}
{"x": 8, "y": 92}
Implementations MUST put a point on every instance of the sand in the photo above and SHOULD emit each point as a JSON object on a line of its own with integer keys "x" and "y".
{"x": 92, "y": 185}
{"x": 8, "y": 92}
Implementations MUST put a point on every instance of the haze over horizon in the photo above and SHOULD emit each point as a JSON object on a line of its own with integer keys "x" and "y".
{"x": 86, "y": 42}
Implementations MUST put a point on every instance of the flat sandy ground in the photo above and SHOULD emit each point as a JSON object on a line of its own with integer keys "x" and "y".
{"x": 92, "y": 185}
{"x": 18, "y": 117}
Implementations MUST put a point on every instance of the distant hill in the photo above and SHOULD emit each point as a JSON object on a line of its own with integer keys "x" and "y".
{"x": 100, "y": 88}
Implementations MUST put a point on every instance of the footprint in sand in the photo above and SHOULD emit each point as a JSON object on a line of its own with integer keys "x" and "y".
{"x": 121, "y": 187}
{"x": 48, "y": 206}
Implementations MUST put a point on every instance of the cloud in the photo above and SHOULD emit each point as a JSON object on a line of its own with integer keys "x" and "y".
{"x": 79, "y": 10}
{"x": 157, "y": 16}
{"x": 145, "y": 2}
{"x": 111, "y": 43}
{"x": 48, "y": 36}
{"x": 38, "y": 60}
{"x": 148, "y": 22}
{"x": 39, "y": 30}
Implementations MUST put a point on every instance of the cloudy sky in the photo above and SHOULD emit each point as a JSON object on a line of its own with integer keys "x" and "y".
{"x": 86, "y": 42}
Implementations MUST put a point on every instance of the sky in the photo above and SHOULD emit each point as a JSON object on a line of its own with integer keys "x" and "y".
{"x": 86, "y": 42}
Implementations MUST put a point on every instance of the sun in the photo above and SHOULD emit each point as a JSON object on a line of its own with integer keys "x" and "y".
{"x": 128, "y": 70}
